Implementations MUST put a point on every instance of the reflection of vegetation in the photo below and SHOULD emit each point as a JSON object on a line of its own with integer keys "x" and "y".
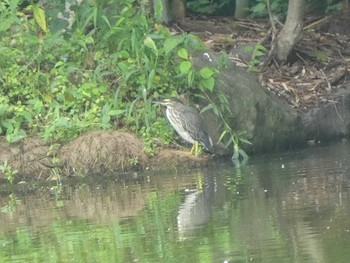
{"x": 260, "y": 213}
{"x": 247, "y": 225}
{"x": 146, "y": 238}
{"x": 8, "y": 172}
{"x": 151, "y": 236}
{"x": 56, "y": 189}
{"x": 10, "y": 207}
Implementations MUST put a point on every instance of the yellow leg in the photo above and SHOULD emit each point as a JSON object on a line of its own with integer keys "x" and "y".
{"x": 196, "y": 152}
{"x": 195, "y": 149}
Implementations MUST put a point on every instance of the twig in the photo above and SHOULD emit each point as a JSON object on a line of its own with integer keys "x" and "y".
{"x": 272, "y": 47}
{"x": 252, "y": 27}
{"x": 315, "y": 23}
{"x": 179, "y": 28}
{"x": 270, "y": 16}
{"x": 336, "y": 110}
{"x": 273, "y": 38}
{"x": 298, "y": 55}
{"x": 261, "y": 41}
{"x": 327, "y": 81}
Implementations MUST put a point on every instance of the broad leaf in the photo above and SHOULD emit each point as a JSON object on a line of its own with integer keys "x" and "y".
{"x": 206, "y": 72}
{"x": 150, "y": 44}
{"x": 170, "y": 43}
{"x": 185, "y": 66}
{"x": 39, "y": 16}
{"x": 182, "y": 53}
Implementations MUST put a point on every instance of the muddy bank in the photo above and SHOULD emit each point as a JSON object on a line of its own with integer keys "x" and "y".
{"x": 93, "y": 153}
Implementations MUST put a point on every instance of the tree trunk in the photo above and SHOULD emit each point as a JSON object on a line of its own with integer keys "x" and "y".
{"x": 331, "y": 121}
{"x": 242, "y": 9}
{"x": 171, "y": 11}
{"x": 291, "y": 32}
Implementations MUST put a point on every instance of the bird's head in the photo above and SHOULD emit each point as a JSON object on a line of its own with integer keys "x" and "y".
{"x": 167, "y": 102}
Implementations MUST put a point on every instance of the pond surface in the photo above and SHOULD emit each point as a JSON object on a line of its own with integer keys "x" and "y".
{"x": 292, "y": 207}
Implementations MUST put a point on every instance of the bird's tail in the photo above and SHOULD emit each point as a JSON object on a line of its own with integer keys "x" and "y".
{"x": 208, "y": 143}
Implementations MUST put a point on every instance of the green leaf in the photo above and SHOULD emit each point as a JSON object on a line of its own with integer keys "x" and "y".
{"x": 150, "y": 79}
{"x": 258, "y": 53}
{"x": 5, "y": 24}
{"x": 62, "y": 122}
{"x": 223, "y": 59}
{"x": 182, "y": 53}
{"x": 229, "y": 142}
{"x": 5, "y": 51}
{"x": 170, "y": 43}
{"x": 39, "y": 16}
{"x": 259, "y": 7}
{"x": 248, "y": 48}
{"x": 144, "y": 93}
{"x": 185, "y": 66}
{"x": 148, "y": 42}
{"x": 207, "y": 84}
{"x": 243, "y": 153}
{"x": 190, "y": 78}
{"x": 244, "y": 140}
{"x": 260, "y": 47}
{"x": 16, "y": 136}
{"x": 47, "y": 97}
{"x": 208, "y": 107}
{"x": 119, "y": 21}
{"x": 105, "y": 18}
{"x": 116, "y": 112}
{"x": 222, "y": 135}
{"x": 206, "y": 72}
{"x": 105, "y": 119}
{"x": 235, "y": 152}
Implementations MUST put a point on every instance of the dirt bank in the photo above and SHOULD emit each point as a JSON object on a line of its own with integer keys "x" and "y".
{"x": 93, "y": 153}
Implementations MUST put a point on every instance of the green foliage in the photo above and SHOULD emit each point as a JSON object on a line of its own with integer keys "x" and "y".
{"x": 320, "y": 55}
{"x": 226, "y": 7}
{"x": 280, "y": 7}
{"x": 257, "y": 52}
{"x": 63, "y": 75}
{"x": 333, "y": 6}
{"x": 219, "y": 105}
{"x": 217, "y": 101}
{"x": 104, "y": 70}
{"x": 159, "y": 132}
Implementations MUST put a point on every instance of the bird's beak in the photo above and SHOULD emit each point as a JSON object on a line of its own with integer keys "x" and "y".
{"x": 158, "y": 102}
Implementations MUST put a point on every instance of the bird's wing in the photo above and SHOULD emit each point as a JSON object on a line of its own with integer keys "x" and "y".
{"x": 194, "y": 125}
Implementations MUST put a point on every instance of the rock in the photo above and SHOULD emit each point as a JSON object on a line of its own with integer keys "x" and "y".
{"x": 269, "y": 123}
{"x": 330, "y": 121}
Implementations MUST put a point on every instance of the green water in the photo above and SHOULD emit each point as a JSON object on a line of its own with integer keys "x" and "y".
{"x": 292, "y": 207}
